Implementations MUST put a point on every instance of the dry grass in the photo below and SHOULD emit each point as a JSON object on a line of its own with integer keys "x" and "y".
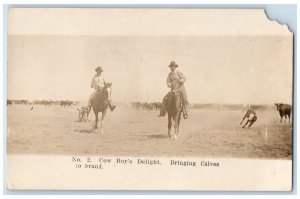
{"x": 207, "y": 133}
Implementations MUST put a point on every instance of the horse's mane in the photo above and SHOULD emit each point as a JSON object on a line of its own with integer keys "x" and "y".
{"x": 107, "y": 84}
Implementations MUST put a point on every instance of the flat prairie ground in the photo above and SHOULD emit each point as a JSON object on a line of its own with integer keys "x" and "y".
{"x": 128, "y": 132}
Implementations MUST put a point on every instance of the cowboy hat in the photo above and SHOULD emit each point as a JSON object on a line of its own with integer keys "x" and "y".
{"x": 173, "y": 64}
{"x": 99, "y": 68}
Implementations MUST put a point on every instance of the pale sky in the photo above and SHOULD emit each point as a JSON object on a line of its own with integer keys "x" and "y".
{"x": 244, "y": 69}
{"x": 227, "y": 55}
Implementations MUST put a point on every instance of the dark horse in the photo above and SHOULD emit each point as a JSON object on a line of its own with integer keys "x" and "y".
{"x": 100, "y": 104}
{"x": 174, "y": 107}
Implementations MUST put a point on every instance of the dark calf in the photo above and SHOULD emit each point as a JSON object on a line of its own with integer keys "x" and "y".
{"x": 284, "y": 110}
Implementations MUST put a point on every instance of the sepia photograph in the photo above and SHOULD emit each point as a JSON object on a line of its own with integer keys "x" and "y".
{"x": 190, "y": 89}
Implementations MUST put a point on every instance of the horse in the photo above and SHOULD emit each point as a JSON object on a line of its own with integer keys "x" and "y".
{"x": 174, "y": 108}
{"x": 100, "y": 104}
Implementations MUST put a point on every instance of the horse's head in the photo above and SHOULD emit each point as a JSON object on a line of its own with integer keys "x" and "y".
{"x": 107, "y": 87}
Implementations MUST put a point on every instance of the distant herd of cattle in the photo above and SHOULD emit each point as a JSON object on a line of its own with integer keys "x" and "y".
{"x": 42, "y": 102}
{"x": 68, "y": 103}
{"x": 283, "y": 109}
{"x": 146, "y": 106}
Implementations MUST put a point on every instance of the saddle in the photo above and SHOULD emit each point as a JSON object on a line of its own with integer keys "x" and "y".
{"x": 177, "y": 92}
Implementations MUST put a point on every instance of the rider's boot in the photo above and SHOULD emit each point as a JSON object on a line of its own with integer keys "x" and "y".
{"x": 111, "y": 106}
{"x": 162, "y": 111}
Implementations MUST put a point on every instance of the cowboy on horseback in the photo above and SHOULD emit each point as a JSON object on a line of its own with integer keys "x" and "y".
{"x": 98, "y": 83}
{"x": 174, "y": 78}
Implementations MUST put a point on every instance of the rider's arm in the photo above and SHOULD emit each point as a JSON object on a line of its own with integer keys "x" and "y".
{"x": 93, "y": 83}
{"x": 169, "y": 81}
{"x": 182, "y": 77}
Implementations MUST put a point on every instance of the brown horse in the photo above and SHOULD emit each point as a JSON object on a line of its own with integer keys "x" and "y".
{"x": 174, "y": 107}
{"x": 100, "y": 104}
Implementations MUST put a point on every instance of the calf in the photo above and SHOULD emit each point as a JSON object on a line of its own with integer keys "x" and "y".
{"x": 83, "y": 113}
{"x": 284, "y": 110}
{"x": 251, "y": 116}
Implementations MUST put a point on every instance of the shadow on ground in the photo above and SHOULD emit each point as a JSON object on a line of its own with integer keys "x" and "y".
{"x": 157, "y": 136}
{"x": 85, "y": 131}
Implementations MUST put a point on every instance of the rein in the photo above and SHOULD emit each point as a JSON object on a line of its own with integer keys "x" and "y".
{"x": 176, "y": 92}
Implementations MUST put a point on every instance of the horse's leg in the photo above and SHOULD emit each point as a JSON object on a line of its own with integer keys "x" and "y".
{"x": 169, "y": 125}
{"x": 179, "y": 117}
{"x": 96, "y": 120}
{"x": 102, "y": 118}
{"x": 175, "y": 120}
{"x": 289, "y": 117}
